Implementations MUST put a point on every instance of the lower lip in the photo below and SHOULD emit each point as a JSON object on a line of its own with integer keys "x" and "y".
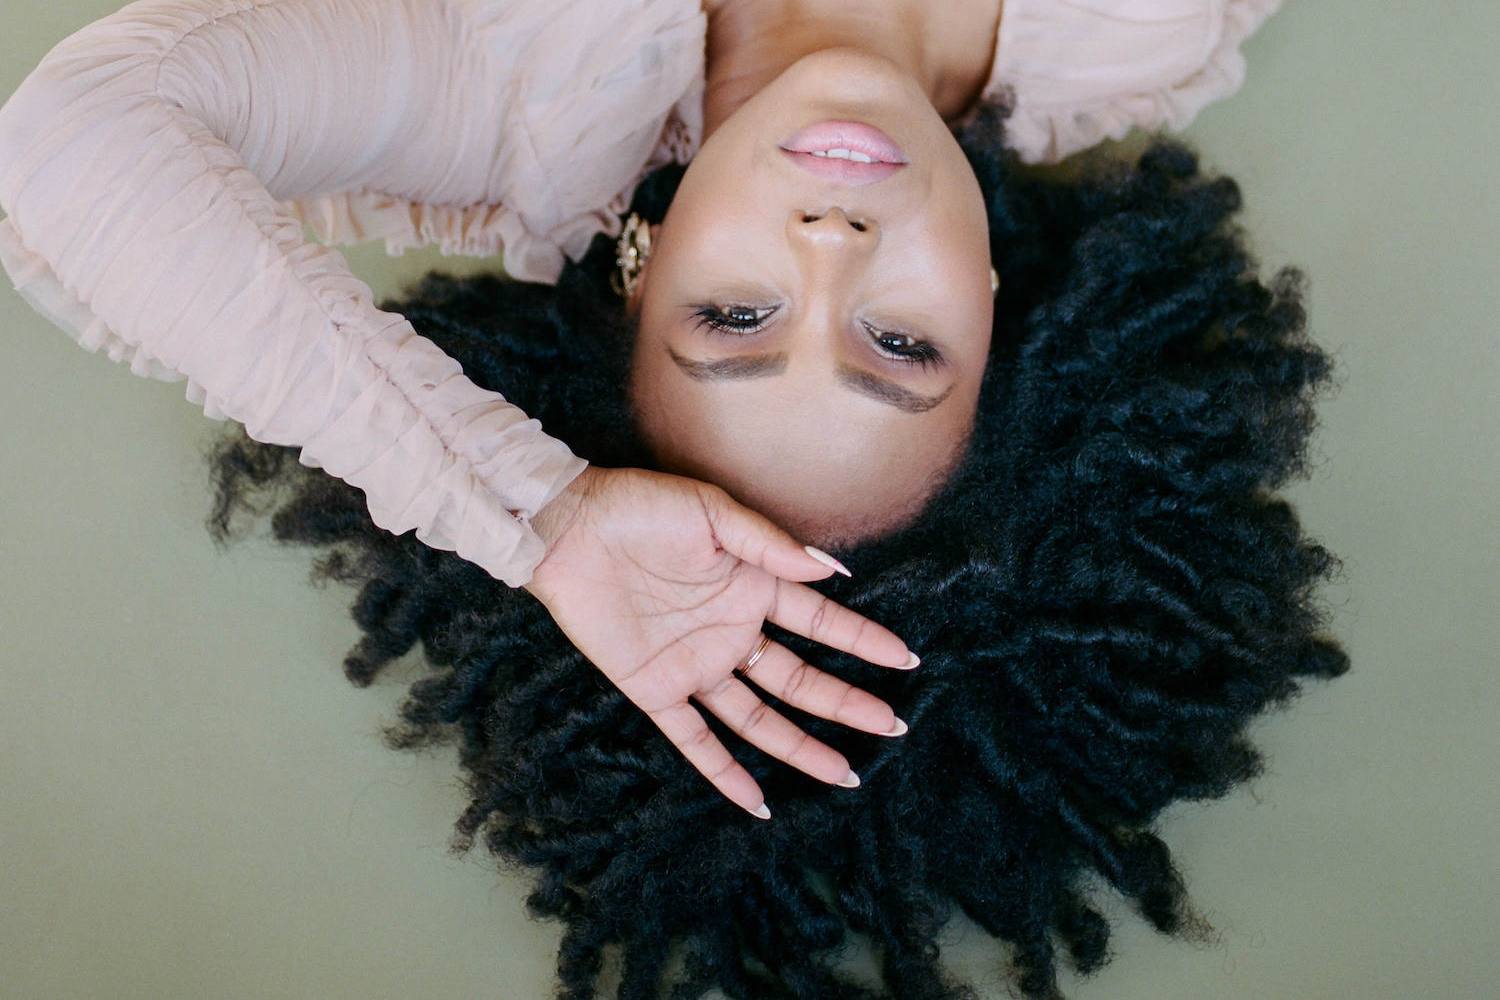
{"x": 854, "y": 136}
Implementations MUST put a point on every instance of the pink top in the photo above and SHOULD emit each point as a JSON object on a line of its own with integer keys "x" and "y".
{"x": 159, "y": 165}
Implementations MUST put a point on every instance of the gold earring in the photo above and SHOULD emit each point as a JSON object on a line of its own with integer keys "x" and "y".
{"x": 994, "y": 281}
{"x": 631, "y": 251}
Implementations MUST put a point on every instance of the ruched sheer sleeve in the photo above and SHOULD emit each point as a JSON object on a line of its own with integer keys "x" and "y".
{"x": 157, "y": 168}
{"x": 1081, "y": 71}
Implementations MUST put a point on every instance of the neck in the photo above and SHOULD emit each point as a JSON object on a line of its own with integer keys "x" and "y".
{"x": 946, "y": 47}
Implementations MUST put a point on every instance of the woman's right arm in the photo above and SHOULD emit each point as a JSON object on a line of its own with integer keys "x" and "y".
{"x": 142, "y": 165}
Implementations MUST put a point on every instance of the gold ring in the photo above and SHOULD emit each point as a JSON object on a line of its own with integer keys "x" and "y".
{"x": 755, "y": 654}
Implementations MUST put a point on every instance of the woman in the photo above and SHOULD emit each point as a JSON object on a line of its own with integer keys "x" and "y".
{"x": 156, "y": 166}
{"x": 1107, "y": 591}
{"x": 1075, "y": 537}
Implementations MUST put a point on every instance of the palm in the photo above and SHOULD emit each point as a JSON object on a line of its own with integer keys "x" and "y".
{"x": 646, "y": 582}
{"x": 662, "y": 638}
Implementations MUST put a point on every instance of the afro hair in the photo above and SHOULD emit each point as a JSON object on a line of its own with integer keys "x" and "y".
{"x": 1105, "y": 594}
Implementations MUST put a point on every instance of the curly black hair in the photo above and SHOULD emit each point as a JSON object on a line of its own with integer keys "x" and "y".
{"x": 1104, "y": 596}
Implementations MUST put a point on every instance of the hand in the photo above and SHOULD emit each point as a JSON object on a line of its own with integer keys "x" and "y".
{"x": 664, "y": 583}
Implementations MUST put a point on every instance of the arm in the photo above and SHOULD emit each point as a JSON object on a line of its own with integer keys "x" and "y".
{"x": 142, "y": 165}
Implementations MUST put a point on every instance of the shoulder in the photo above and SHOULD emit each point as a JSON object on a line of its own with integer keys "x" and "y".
{"x": 591, "y": 102}
{"x": 1080, "y": 71}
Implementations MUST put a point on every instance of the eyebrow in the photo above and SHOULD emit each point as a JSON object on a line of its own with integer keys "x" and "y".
{"x": 765, "y": 365}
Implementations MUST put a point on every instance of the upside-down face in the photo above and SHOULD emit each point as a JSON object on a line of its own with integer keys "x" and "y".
{"x": 816, "y": 312}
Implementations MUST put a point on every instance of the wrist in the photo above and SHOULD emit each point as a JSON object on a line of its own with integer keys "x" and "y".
{"x": 557, "y": 518}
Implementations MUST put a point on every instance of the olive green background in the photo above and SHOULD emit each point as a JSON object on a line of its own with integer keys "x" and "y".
{"x": 195, "y": 803}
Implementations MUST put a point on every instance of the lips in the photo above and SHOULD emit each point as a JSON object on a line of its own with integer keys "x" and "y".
{"x": 837, "y": 150}
{"x": 844, "y": 171}
{"x": 854, "y": 136}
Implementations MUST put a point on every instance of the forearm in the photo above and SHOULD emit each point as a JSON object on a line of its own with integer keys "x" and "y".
{"x": 141, "y": 165}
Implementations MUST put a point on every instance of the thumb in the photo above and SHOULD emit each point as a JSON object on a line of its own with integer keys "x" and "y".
{"x": 754, "y": 538}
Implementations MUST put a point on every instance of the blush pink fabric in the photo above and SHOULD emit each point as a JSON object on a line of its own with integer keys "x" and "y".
{"x": 160, "y": 169}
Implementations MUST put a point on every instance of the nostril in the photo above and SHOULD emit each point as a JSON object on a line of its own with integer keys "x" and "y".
{"x": 814, "y": 217}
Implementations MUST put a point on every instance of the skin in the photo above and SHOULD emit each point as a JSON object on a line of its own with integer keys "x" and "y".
{"x": 664, "y": 580}
{"x": 822, "y": 420}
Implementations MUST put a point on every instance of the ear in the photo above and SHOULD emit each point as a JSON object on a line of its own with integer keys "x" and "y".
{"x": 633, "y": 304}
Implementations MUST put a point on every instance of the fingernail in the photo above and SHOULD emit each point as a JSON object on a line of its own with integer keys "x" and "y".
{"x": 827, "y": 560}
{"x": 763, "y": 811}
{"x": 899, "y": 728}
{"x": 912, "y": 661}
{"x": 851, "y": 780}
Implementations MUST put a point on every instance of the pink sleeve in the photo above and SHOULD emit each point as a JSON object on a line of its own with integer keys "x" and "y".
{"x": 1082, "y": 71}
{"x": 143, "y": 168}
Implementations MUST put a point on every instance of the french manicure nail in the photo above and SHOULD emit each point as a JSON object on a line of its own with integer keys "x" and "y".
{"x": 763, "y": 811}
{"x": 899, "y": 728}
{"x": 912, "y": 661}
{"x": 850, "y": 780}
{"x": 827, "y": 560}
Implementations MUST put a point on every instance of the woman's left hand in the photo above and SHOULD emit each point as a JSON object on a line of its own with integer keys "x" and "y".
{"x": 664, "y": 583}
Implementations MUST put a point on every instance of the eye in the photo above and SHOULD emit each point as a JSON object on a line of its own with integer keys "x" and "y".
{"x": 736, "y": 319}
{"x": 904, "y": 347}
{"x": 743, "y": 320}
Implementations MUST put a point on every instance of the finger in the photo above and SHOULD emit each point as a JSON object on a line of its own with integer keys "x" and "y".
{"x": 746, "y": 713}
{"x": 800, "y": 609}
{"x": 686, "y": 728}
{"x": 798, "y": 683}
{"x": 754, "y": 538}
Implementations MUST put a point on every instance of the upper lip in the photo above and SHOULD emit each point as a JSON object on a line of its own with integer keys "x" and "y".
{"x": 846, "y": 171}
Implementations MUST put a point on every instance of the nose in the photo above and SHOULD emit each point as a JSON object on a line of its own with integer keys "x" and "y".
{"x": 833, "y": 228}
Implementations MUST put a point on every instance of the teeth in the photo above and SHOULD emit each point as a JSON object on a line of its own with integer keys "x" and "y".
{"x": 844, "y": 154}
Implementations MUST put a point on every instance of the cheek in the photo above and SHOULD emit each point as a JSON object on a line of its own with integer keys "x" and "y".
{"x": 956, "y": 233}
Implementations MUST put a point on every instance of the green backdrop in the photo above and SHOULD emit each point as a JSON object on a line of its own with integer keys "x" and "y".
{"x": 195, "y": 803}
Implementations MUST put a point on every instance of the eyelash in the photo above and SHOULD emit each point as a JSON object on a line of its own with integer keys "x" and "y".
{"x": 919, "y": 353}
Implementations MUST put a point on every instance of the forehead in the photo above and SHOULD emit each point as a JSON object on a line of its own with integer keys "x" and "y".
{"x": 808, "y": 457}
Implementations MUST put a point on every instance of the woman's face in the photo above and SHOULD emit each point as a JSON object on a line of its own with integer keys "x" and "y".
{"x": 862, "y": 302}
